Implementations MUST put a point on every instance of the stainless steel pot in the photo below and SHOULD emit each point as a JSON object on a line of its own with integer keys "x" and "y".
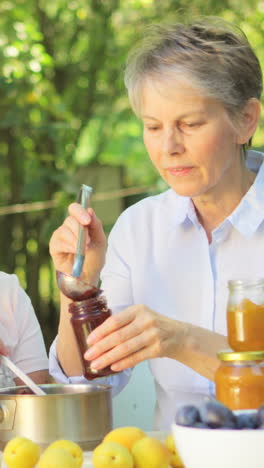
{"x": 81, "y": 413}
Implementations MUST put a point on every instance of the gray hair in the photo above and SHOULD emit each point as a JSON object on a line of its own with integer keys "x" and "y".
{"x": 211, "y": 53}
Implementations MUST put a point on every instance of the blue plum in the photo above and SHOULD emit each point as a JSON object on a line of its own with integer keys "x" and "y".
{"x": 216, "y": 415}
{"x": 187, "y": 415}
{"x": 247, "y": 421}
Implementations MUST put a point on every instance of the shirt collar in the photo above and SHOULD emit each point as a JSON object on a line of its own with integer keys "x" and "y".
{"x": 247, "y": 216}
{"x": 184, "y": 208}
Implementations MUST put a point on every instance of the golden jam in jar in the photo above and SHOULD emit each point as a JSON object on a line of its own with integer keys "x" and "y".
{"x": 239, "y": 379}
{"x": 245, "y": 315}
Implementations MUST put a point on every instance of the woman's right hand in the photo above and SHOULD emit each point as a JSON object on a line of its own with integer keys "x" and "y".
{"x": 63, "y": 243}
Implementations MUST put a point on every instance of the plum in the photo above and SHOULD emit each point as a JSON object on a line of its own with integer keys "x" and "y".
{"x": 216, "y": 415}
{"x": 247, "y": 421}
{"x": 260, "y": 416}
{"x": 187, "y": 415}
{"x": 201, "y": 425}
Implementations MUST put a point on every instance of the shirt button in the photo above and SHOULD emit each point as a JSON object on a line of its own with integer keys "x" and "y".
{"x": 219, "y": 239}
{"x": 221, "y": 235}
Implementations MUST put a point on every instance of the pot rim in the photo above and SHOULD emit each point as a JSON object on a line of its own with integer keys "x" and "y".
{"x": 79, "y": 389}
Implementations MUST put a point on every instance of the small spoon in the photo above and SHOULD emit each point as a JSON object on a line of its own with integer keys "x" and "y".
{"x": 26, "y": 379}
{"x": 71, "y": 285}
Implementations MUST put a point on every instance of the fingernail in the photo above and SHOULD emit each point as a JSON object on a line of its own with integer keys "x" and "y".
{"x": 96, "y": 364}
{"x": 85, "y": 218}
{"x": 90, "y": 340}
{"x": 115, "y": 367}
{"x": 89, "y": 354}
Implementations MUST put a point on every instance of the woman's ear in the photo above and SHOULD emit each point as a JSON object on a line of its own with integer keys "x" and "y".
{"x": 249, "y": 121}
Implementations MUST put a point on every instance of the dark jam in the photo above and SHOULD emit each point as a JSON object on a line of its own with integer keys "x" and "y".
{"x": 86, "y": 316}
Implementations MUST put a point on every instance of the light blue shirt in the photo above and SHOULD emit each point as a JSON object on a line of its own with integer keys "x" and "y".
{"x": 159, "y": 255}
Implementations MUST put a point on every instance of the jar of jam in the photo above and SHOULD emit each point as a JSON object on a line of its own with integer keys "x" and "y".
{"x": 87, "y": 315}
{"x": 239, "y": 380}
{"x": 245, "y": 315}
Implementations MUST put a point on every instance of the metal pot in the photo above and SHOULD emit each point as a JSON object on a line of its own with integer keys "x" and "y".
{"x": 81, "y": 413}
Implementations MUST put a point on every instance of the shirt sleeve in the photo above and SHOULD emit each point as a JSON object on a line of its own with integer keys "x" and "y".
{"x": 28, "y": 350}
{"x": 117, "y": 381}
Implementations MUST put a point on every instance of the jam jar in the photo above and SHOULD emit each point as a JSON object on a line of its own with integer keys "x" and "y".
{"x": 87, "y": 315}
{"x": 245, "y": 315}
{"x": 239, "y": 379}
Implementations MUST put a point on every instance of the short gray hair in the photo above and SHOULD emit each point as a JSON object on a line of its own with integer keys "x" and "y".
{"x": 212, "y": 53}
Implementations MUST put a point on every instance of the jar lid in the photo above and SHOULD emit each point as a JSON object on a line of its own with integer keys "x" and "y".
{"x": 229, "y": 355}
{"x": 245, "y": 283}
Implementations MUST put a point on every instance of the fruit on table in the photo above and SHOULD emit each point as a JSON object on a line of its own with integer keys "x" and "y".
{"x": 149, "y": 452}
{"x": 56, "y": 457}
{"x": 125, "y": 436}
{"x": 74, "y": 449}
{"x": 188, "y": 415}
{"x": 215, "y": 415}
{"x": 21, "y": 452}
{"x": 111, "y": 454}
{"x": 175, "y": 460}
{"x": 247, "y": 421}
{"x": 260, "y": 416}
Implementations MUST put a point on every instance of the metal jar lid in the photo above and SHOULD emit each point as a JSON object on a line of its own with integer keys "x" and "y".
{"x": 228, "y": 355}
{"x": 245, "y": 283}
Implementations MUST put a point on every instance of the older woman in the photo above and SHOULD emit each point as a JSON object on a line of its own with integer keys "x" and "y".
{"x": 196, "y": 88}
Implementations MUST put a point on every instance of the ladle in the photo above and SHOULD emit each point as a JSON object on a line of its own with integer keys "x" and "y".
{"x": 26, "y": 379}
{"x": 74, "y": 288}
{"x": 71, "y": 285}
{"x": 84, "y": 198}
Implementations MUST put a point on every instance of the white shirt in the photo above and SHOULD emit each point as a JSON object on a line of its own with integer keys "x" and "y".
{"x": 19, "y": 328}
{"x": 159, "y": 255}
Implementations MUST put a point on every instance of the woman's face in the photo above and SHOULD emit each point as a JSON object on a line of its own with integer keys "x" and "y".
{"x": 189, "y": 138}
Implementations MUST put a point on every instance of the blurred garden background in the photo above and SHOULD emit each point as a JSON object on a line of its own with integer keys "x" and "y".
{"x": 65, "y": 120}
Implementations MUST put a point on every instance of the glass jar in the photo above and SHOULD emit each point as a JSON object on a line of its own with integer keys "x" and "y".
{"x": 239, "y": 379}
{"x": 245, "y": 315}
{"x": 85, "y": 317}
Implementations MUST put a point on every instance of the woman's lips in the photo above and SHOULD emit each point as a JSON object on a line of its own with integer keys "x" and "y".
{"x": 179, "y": 171}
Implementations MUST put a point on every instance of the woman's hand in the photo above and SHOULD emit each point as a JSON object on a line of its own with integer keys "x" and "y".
{"x": 63, "y": 243}
{"x": 131, "y": 336}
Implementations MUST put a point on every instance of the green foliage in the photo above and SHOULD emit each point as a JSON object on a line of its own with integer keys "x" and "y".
{"x": 64, "y": 106}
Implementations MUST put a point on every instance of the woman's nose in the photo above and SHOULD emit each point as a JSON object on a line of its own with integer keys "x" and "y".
{"x": 173, "y": 142}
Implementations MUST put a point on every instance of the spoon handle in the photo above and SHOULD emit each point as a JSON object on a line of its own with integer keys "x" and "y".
{"x": 26, "y": 379}
{"x": 85, "y": 194}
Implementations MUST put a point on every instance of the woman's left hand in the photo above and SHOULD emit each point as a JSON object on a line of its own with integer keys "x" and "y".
{"x": 134, "y": 335}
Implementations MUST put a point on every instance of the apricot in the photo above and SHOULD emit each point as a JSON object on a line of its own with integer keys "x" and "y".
{"x": 21, "y": 452}
{"x": 110, "y": 454}
{"x": 175, "y": 460}
{"x": 126, "y": 436}
{"x": 71, "y": 447}
{"x": 151, "y": 453}
{"x": 56, "y": 457}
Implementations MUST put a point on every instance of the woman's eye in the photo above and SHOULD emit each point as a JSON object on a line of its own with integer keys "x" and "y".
{"x": 153, "y": 128}
{"x": 190, "y": 124}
